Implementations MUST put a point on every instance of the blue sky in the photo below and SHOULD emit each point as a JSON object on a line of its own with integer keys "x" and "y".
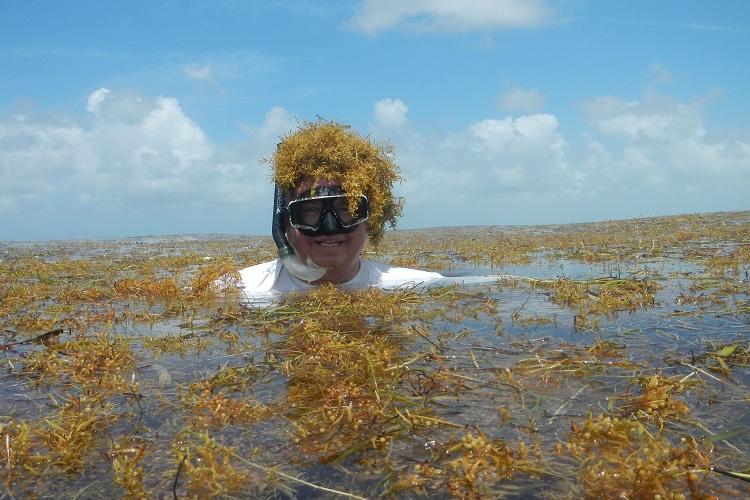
{"x": 151, "y": 117}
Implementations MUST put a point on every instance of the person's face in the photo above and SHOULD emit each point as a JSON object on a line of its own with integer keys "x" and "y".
{"x": 338, "y": 253}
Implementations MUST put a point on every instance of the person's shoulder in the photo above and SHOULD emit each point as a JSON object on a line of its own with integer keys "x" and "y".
{"x": 260, "y": 277}
{"x": 262, "y": 268}
{"x": 391, "y": 276}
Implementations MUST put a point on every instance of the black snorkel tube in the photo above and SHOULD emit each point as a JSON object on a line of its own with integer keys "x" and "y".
{"x": 278, "y": 226}
{"x": 305, "y": 271}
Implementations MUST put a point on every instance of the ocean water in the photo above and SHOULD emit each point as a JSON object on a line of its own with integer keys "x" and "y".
{"x": 497, "y": 355}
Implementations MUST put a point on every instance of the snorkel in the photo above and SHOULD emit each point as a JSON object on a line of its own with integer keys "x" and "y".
{"x": 305, "y": 271}
{"x": 277, "y": 225}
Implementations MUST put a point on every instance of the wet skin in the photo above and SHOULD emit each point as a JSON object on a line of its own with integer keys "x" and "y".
{"x": 338, "y": 253}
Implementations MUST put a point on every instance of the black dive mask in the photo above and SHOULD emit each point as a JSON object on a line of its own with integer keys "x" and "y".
{"x": 325, "y": 210}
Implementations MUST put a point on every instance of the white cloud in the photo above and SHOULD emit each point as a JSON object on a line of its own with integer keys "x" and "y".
{"x": 518, "y": 99}
{"x": 199, "y": 72}
{"x": 230, "y": 66}
{"x": 641, "y": 157}
{"x": 136, "y": 149}
{"x": 241, "y": 178}
{"x": 36, "y": 158}
{"x": 652, "y": 118}
{"x": 490, "y": 161}
{"x": 528, "y": 139}
{"x": 277, "y": 122}
{"x": 390, "y": 113}
{"x": 95, "y": 100}
{"x": 374, "y": 16}
{"x": 142, "y": 151}
{"x": 666, "y": 142}
{"x": 145, "y": 148}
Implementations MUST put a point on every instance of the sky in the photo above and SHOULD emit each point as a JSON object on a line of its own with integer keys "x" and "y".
{"x": 153, "y": 117}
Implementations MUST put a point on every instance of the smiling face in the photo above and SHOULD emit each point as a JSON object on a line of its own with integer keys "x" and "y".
{"x": 338, "y": 253}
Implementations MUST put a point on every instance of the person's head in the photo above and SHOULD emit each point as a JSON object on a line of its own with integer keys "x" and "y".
{"x": 338, "y": 190}
{"x": 322, "y": 228}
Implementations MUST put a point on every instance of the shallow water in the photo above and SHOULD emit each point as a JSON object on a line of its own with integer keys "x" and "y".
{"x": 496, "y": 354}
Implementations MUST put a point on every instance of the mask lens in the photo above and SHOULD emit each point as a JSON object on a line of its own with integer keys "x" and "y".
{"x": 346, "y": 216}
{"x": 306, "y": 212}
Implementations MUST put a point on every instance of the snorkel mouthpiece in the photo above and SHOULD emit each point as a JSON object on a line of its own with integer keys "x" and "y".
{"x": 309, "y": 271}
{"x": 305, "y": 271}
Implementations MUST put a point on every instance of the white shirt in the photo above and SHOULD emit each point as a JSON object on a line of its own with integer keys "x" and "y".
{"x": 269, "y": 277}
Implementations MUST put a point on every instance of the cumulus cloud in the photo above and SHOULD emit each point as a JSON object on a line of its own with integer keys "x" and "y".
{"x": 374, "y": 16}
{"x": 665, "y": 142}
{"x": 277, "y": 122}
{"x": 653, "y": 118}
{"x": 146, "y": 147}
{"x": 36, "y": 158}
{"x": 490, "y": 161}
{"x": 519, "y": 99}
{"x": 135, "y": 149}
{"x": 655, "y": 150}
{"x": 390, "y": 113}
{"x": 532, "y": 138}
{"x": 95, "y": 100}
{"x": 145, "y": 151}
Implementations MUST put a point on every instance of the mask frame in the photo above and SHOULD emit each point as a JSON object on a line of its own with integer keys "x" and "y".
{"x": 330, "y": 220}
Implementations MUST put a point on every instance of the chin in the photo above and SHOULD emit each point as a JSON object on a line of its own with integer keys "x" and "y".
{"x": 329, "y": 262}
{"x": 338, "y": 253}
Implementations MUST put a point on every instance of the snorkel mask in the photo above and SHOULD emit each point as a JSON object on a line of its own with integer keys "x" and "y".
{"x": 327, "y": 210}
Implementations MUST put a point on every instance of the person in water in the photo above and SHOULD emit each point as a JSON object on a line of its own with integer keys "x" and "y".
{"x": 333, "y": 192}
